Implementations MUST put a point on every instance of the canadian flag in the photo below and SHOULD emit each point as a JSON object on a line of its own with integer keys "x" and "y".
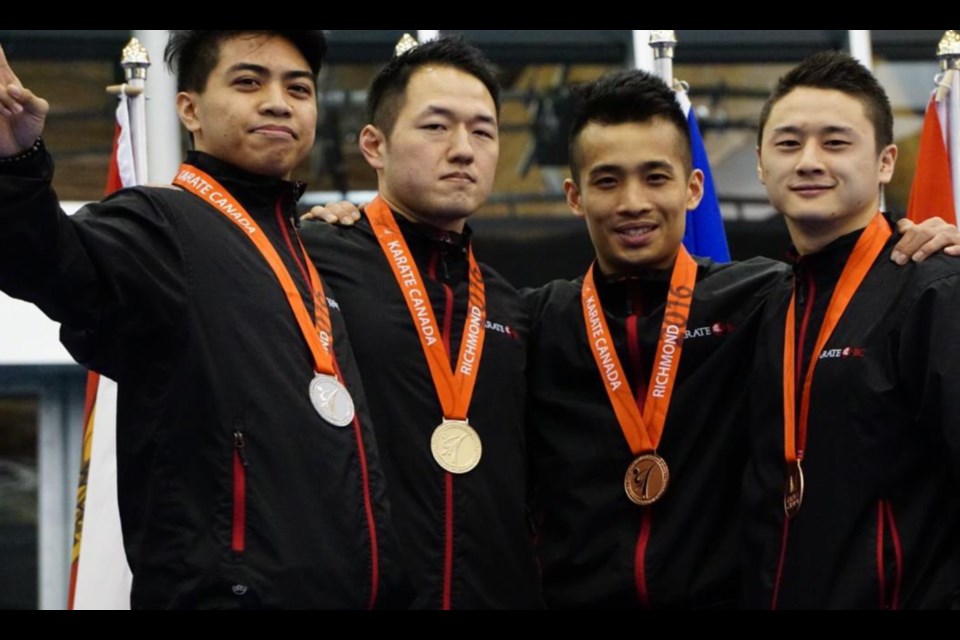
{"x": 100, "y": 577}
{"x": 932, "y": 191}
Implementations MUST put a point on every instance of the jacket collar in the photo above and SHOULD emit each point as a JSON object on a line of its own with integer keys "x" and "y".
{"x": 428, "y": 235}
{"x": 827, "y": 265}
{"x": 257, "y": 193}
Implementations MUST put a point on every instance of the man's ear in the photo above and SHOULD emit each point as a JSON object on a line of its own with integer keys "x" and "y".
{"x": 372, "y": 144}
{"x": 188, "y": 110}
{"x": 760, "y": 175}
{"x": 888, "y": 162}
{"x": 573, "y": 197}
{"x": 694, "y": 189}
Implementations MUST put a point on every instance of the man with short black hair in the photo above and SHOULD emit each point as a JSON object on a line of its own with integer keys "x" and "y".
{"x": 636, "y": 372}
{"x": 440, "y": 336}
{"x": 855, "y": 448}
{"x": 248, "y": 474}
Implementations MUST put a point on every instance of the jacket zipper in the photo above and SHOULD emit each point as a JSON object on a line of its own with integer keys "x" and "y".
{"x": 358, "y": 433}
{"x": 806, "y": 298}
{"x": 238, "y": 539}
{"x": 889, "y": 594}
{"x": 646, "y": 514}
{"x": 446, "y": 605}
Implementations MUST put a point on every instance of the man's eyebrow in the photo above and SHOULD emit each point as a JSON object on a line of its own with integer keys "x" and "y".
{"x": 261, "y": 70}
{"x": 448, "y": 113}
{"x": 249, "y": 66}
{"x": 651, "y": 165}
{"x": 606, "y": 168}
{"x": 835, "y": 128}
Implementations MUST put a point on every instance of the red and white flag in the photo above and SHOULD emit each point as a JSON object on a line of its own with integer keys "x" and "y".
{"x": 100, "y": 577}
{"x": 932, "y": 191}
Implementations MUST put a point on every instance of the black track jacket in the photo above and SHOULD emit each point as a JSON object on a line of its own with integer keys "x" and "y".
{"x": 598, "y": 549}
{"x": 879, "y": 526}
{"x": 467, "y": 537}
{"x": 233, "y": 491}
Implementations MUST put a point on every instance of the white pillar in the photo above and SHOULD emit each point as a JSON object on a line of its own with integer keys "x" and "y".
{"x": 163, "y": 126}
{"x": 54, "y": 501}
{"x": 861, "y": 46}
{"x": 642, "y": 53}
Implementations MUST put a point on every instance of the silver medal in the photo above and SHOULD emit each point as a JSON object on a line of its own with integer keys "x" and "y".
{"x": 332, "y": 400}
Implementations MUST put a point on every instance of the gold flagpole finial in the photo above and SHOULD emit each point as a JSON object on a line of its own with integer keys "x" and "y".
{"x": 407, "y": 43}
{"x": 135, "y": 60}
{"x": 663, "y": 43}
{"x": 948, "y": 51}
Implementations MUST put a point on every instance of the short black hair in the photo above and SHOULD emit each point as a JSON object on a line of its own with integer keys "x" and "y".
{"x": 387, "y": 91}
{"x": 622, "y": 97}
{"x": 841, "y": 72}
{"x": 193, "y": 54}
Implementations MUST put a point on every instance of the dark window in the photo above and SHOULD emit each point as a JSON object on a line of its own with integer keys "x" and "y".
{"x": 18, "y": 502}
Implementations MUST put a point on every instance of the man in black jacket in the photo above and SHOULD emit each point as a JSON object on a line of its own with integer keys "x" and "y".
{"x": 247, "y": 477}
{"x": 855, "y": 449}
{"x": 636, "y": 373}
{"x": 440, "y": 337}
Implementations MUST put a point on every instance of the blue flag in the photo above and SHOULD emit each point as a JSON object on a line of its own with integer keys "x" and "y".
{"x": 705, "y": 236}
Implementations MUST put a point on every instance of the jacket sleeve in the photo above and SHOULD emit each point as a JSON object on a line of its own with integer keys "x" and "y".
{"x": 929, "y": 355}
{"x": 113, "y": 275}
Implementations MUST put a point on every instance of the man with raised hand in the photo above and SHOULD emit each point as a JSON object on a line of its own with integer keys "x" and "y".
{"x": 248, "y": 474}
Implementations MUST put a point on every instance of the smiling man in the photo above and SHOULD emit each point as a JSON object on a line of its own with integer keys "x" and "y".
{"x": 440, "y": 336}
{"x": 246, "y": 475}
{"x": 637, "y": 373}
{"x": 855, "y": 443}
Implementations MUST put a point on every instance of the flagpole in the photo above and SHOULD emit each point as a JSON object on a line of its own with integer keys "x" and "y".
{"x": 100, "y": 577}
{"x": 664, "y": 45}
{"x": 948, "y": 52}
{"x": 642, "y": 53}
{"x": 135, "y": 63}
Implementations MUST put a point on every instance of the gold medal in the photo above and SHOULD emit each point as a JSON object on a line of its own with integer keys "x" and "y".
{"x": 793, "y": 494}
{"x": 646, "y": 480}
{"x": 456, "y": 446}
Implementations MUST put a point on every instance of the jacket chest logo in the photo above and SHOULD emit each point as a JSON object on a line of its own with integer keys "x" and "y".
{"x": 501, "y": 329}
{"x": 843, "y": 353}
{"x": 717, "y": 329}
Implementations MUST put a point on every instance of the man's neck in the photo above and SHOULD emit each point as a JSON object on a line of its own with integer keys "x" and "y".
{"x": 810, "y": 237}
{"x": 454, "y": 225}
{"x": 613, "y": 271}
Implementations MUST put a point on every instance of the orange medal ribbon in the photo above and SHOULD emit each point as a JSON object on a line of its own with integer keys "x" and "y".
{"x": 643, "y": 431}
{"x": 317, "y": 331}
{"x": 454, "y": 390}
{"x": 864, "y": 254}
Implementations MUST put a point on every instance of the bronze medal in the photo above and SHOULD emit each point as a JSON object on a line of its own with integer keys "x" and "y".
{"x": 332, "y": 400}
{"x": 648, "y": 475}
{"x": 646, "y": 480}
{"x": 456, "y": 446}
{"x": 795, "y": 424}
{"x": 793, "y": 494}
